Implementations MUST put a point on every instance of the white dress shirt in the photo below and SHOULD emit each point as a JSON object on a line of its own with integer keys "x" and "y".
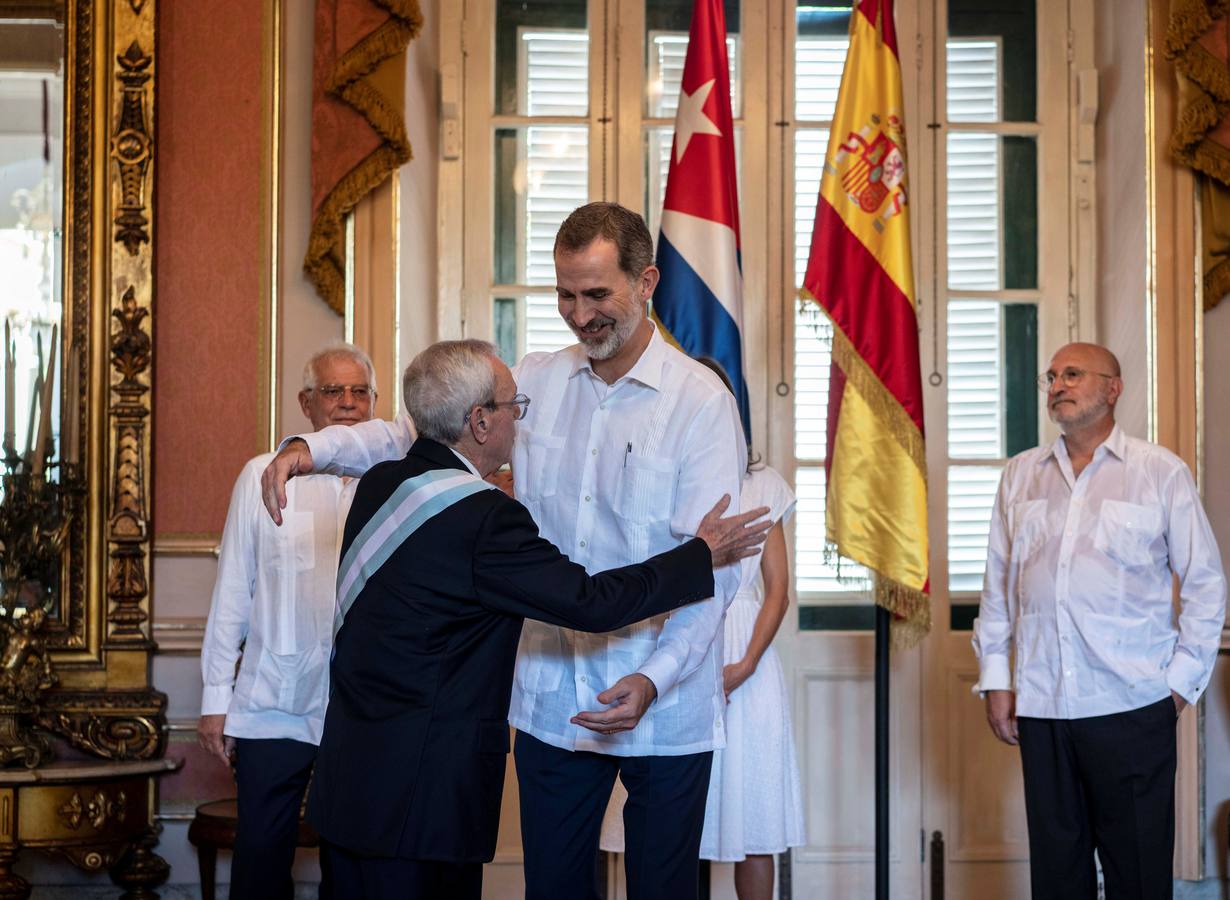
{"x": 612, "y": 474}
{"x": 1079, "y": 582}
{"x": 272, "y": 609}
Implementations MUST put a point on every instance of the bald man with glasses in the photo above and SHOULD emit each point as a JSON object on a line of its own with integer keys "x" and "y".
{"x": 1087, "y": 538}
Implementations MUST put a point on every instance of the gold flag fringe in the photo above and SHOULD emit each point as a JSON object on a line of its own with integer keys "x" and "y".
{"x": 911, "y": 611}
{"x": 863, "y": 379}
{"x": 325, "y": 262}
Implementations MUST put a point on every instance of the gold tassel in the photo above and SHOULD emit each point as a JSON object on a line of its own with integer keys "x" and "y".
{"x": 325, "y": 261}
{"x": 1189, "y": 19}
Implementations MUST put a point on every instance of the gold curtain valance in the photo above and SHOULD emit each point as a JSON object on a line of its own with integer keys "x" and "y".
{"x": 1196, "y": 42}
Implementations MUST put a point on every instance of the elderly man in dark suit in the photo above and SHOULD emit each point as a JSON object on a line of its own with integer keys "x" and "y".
{"x": 438, "y": 571}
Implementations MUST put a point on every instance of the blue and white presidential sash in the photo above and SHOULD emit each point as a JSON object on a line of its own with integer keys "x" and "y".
{"x": 414, "y": 502}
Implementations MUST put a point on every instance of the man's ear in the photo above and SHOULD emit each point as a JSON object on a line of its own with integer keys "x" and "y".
{"x": 303, "y": 403}
{"x": 1115, "y": 390}
{"x": 648, "y": 282}
{"x": 480, "y": 428}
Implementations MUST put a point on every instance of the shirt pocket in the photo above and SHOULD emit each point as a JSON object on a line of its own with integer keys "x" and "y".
{"x": 1028, "y": 521}
{"x": 646, "y": 490}
{"x": 540, "y": 659}
{"x": 292, "y": 683}
{"x": 1121, "y": 645}
{"x": 1126, "y": 532}
{"x": 543, "y": 459}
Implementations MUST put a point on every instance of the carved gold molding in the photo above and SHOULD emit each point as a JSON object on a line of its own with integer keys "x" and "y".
{"x": 101, "y": 637}
{"x": 131, "y": 175}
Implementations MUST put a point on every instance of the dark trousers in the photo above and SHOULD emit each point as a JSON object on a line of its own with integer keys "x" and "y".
{"x": 346, "y": 876}
{"x": 1104, "y": 783}
{"x": 563, "y": 797}
{"x": 272, "y": 776}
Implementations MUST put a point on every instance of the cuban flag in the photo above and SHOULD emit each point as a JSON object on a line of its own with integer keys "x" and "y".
{"x": 699, "y": 300}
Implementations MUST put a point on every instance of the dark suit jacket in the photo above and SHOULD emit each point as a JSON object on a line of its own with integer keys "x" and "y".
{"x": 411, "y": 762}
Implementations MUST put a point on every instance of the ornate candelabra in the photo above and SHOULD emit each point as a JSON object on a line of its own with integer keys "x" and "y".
{"x": 36, "y": 515}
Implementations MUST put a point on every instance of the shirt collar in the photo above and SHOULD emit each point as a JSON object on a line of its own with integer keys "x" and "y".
{"x": 1116, "y": 443}
{"x": 469, "y": 465}
{"x": 647, "y": 369}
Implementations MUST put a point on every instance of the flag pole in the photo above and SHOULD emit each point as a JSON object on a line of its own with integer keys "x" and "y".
{"x": 883, "y": 625}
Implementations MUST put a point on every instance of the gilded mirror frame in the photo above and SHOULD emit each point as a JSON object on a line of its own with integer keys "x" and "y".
{"x": 101, "y": 640}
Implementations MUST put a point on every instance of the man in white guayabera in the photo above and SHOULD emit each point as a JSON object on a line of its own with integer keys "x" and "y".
{"x": 1087, "y": 539}
{"x": 272, "y": 612}
{"x": 627, "y": 443}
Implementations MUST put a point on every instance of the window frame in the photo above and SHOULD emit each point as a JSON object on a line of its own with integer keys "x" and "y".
{"x": 618, "y": 120}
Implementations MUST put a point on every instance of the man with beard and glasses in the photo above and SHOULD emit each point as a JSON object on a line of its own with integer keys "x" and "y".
{"x": 625, "y": 447}
{"x": 1087, "y": 539}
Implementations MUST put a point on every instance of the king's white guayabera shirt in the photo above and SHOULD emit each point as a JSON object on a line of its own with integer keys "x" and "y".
{"x": 612, "y": 475}
{"x": 273, "y": 605}
{"x": 1079, "y": 583}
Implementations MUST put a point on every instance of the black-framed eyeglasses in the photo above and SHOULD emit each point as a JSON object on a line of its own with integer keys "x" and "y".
{"x": 519, "y": 403}
{"x": 1069, "y": 377}
{"x": 335, "y": 392}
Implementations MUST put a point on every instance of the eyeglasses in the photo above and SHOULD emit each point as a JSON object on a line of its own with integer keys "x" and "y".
{"x": 519, "y": 403}
{"x": 334, "y": 392}
{"x": 1069, "y": 377}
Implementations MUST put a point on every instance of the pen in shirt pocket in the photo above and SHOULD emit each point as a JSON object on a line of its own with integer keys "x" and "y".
{"x": 627, "y": 453}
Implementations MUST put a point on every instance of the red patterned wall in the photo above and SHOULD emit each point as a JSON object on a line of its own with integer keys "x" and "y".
{"x": 208, "y": 259}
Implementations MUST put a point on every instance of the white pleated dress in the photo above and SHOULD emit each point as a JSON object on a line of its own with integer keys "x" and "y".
{"x": 755, "y": 803}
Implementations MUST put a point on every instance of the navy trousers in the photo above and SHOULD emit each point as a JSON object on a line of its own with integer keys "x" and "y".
{"x": 347, "y": 876}
{"x": 563, "y": 797}
{"x": 1103, "y": 783}
{"x": 272, "y": 775}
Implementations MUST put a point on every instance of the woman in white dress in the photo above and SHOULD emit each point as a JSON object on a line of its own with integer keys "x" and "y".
{"x": 754, "y": 808}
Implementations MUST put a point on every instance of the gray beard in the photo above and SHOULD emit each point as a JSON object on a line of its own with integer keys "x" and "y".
{"x": 613, "y": 343}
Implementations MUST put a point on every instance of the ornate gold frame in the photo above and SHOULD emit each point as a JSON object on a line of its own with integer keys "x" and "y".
{"x": 101, "y": 641}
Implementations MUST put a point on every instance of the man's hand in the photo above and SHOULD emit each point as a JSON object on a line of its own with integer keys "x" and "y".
{"x": 734, "y": 675}
{"x": 1001, "y": 714}
{"x": 293, "y": 459}
{"x": 732, "y": 538}
{"x": 210, "y": 736}
{"x": 1179, "y": 703}
{"x": 627, "y": 699}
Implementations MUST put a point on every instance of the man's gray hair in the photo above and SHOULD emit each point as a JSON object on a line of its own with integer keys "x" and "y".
{"x": 445, "y": 382}
{"x": 334, "y": 349}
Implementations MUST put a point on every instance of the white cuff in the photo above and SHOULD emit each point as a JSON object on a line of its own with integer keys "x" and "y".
{"x": 216, "y": 699}
{"x": 662, "y": 669}
{"x": 1186, "y": 677}
{"x": 994, "y": 674}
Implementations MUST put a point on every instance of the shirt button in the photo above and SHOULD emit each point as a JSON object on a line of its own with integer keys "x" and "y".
{"x": 582, "y": 543}
{"x": 602, "y": 406}
{"x": 593, "y": 452}
{"x": 587, "y": 498}
{"x": 581, "y": 678}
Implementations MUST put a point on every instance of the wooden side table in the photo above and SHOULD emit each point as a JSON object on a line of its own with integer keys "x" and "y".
{"x": 213, "y": 829}
{"x": 97, "y": 815}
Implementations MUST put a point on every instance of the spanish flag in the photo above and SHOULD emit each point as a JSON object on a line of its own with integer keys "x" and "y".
{"x": 859, "y": 271}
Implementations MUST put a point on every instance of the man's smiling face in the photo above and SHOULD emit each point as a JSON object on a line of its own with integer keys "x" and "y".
{"x": 600, "y": 303}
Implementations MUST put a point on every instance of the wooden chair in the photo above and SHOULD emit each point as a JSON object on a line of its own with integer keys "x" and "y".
{"x": 213, "y": 828}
